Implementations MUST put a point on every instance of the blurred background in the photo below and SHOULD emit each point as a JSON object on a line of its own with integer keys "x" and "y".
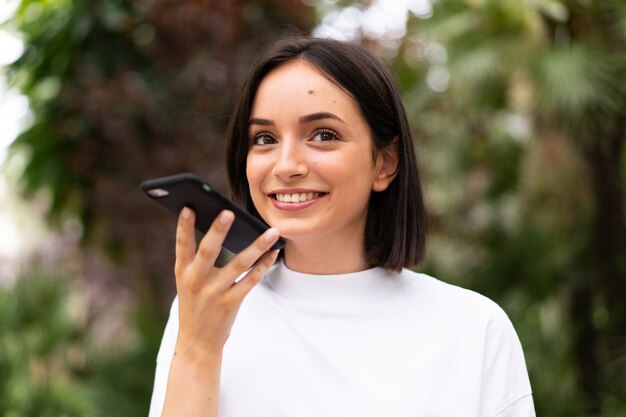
{"x": 519, "y": 113}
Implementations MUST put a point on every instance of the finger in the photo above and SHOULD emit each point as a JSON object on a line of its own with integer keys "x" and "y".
{"x": 211, "y": 243}
{"x": 255, "y": 275}
{"x": 246, "y": 258}
{"x": 185, "y": 240}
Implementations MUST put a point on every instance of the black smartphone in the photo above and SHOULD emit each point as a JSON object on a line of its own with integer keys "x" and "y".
{"x": 177, "y": 191}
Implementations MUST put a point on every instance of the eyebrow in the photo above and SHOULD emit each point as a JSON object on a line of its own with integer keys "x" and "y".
{"x": 319, "y": 116}
{"x": 304, "y": 119}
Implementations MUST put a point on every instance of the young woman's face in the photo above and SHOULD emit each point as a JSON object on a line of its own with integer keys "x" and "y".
{"x": 310, "y": 165}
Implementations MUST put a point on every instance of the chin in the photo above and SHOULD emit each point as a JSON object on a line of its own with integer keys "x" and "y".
{"x": 296, "y": 232}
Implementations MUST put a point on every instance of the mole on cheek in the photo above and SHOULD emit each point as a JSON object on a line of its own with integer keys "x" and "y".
{"x": 311, "y": 92}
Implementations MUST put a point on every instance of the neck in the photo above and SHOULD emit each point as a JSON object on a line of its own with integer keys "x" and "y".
{"x": 328, "y": 257}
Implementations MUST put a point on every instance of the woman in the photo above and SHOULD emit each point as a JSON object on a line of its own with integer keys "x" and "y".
{"x": 319, "y": 147}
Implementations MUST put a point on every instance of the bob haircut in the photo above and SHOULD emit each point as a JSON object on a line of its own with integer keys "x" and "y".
{"x": 396, "y": 218}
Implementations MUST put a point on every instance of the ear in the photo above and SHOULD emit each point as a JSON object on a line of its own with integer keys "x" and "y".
{"x": 386, "y": 166}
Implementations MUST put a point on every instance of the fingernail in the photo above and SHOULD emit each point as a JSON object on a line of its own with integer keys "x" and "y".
{"x": 186, "y": 213}
{"x": 271, "y": 234}
{"x": 226, "y": 217}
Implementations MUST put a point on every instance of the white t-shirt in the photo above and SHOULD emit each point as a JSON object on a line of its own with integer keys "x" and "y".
{"x": 372, "y": 343}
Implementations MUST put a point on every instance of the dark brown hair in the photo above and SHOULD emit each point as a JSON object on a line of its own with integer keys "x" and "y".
{"x": 396, "y": 219}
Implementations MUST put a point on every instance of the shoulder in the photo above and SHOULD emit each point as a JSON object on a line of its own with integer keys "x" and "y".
{"x": 476, "y": 321}
{"x": 462, "y": 312}
{"x": 464, "y": 305}
{"x": 452, "y": 298}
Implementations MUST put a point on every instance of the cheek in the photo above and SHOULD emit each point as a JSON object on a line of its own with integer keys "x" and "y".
{"x": 256, "y": 172}
{"x": 345, "y": 169}
{"x": 253, "y": 166}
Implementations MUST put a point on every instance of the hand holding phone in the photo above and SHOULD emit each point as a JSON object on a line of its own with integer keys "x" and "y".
{"x": 209, "y": 298}
{"x": 188, "y": 190}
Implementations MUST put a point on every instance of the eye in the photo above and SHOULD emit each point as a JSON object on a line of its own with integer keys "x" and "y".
{"x": 325, "y": 135}
{"x": 263, "y": 138}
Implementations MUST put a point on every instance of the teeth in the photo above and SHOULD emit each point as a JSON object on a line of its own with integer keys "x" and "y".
{"x": 296, "y": 198}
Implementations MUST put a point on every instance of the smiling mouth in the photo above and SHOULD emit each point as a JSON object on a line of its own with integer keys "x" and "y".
{"x": 295, "y": 197}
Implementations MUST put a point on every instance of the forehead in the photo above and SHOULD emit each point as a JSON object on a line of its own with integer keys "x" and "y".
{"x": 300, "y": 83}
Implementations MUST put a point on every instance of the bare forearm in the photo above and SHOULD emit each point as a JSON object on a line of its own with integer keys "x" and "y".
{"x": 193, "y": 387}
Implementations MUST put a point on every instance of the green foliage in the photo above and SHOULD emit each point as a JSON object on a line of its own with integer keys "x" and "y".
{"x": 579, "y": 87}
{"x": 534, "y": 217}
{"x": 39, "y": 343}
{"x": 63, "y": 38}
{"x": 48, "y": 360}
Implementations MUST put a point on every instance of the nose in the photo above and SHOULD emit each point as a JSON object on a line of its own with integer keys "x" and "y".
{"x": 290, "y": 161}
